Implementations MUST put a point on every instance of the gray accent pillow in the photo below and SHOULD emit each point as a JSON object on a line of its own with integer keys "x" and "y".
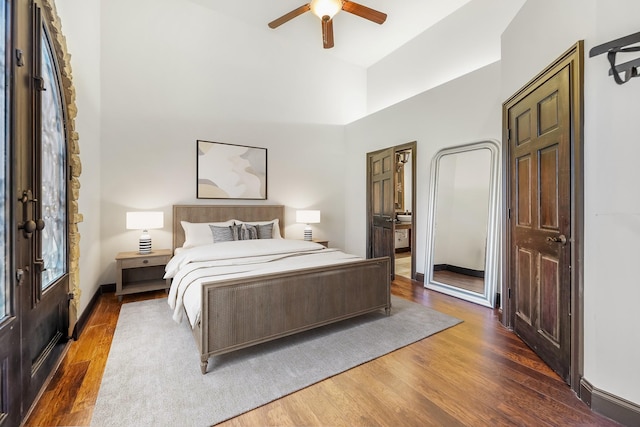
{"x": 265, "y": 231}
{"x": 222, "y": 234}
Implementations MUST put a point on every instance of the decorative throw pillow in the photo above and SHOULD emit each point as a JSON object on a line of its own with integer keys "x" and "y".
{"x": 243, "y": 232}
{"x": 198, "y": 233}
{"x": 265, "y": 231}
{"x": 248, "y": 232}
{"x": 222, "y": 234}
{"x": 274, "y": 222}
{"x": 236, "y": 231}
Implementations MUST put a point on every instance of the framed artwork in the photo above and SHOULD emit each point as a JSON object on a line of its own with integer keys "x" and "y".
{"x": 227, "y": 171}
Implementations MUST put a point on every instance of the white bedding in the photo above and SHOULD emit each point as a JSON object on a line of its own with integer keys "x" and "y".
{"x": 192, "y": 267}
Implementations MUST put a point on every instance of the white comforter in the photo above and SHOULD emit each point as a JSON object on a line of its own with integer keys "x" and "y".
{"x": 191, "y": 268}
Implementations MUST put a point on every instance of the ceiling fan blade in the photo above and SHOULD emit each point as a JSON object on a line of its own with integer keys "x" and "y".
{"x": 327, "y": 33}
{"x": 364, "y": 12}
{"x": 289, "y": 16}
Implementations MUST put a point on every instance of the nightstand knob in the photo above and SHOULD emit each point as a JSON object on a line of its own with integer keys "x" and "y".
{"x": 146, "y": 261}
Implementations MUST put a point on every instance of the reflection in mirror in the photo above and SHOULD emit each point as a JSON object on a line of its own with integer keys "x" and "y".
{"x": 463, "y": 222}
{"x": 403, "y": 204}
{"x": 402, "y": 201}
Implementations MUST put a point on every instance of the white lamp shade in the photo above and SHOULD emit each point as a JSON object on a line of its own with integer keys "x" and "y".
{"x": 144, "y": 220}
{"x": 322, "y": 8}
{"x": 308, "y": 217}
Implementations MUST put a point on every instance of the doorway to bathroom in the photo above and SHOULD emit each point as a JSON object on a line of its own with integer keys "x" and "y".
{"x": 391, "y": 201}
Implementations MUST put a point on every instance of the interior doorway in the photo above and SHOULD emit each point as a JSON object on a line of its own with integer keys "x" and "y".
{"x": 543, "y": 220}
{"x": 391, "y": 202}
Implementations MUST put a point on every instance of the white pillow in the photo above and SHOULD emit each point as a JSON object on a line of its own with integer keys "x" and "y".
{"x": 276, "y": 226}
{"x": 199, "y": 233}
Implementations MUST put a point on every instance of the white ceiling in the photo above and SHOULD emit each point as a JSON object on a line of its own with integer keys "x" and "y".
{"x": 357, "y": 40}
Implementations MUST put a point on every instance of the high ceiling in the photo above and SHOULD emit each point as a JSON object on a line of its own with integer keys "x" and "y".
{"x": 357, "y": 40}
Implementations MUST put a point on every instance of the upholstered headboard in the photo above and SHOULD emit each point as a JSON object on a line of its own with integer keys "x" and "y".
{"x": 219, "y": 213}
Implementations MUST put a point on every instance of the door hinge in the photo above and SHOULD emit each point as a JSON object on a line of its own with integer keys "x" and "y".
{"x": 508, "y": 135}
{"x": 19, "y": 276}
{"x": 19, "y": 58}
{"x": 509, "y": 213}
{"x": 70, "y": 296}
{"x": 39, "y": 83}
{"x": 509, "y": 293}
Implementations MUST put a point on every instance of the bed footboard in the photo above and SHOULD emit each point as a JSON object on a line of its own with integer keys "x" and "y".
{"x": 244, "y": 312}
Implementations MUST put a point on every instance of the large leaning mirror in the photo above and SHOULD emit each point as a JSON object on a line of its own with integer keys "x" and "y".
{"x": 462, "y": 233}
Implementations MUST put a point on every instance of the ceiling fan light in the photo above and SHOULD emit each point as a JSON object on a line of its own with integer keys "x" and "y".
{"x": 322, "y": 8}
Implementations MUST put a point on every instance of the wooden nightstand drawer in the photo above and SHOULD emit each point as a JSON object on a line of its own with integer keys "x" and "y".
{"x": 144, "y": 261}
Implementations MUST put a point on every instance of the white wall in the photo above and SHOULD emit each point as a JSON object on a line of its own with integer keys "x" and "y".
{"x": 612, "y": 214}
{"x": 464, "y": 110}
{"x": 178, "y": 60}
{"x": 464, "y": 41}
{"x": 542, "y": 31}
{"x": 81, "y": 27}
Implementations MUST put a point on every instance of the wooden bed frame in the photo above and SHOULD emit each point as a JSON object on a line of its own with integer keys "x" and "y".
{"x": 239, "y": 313}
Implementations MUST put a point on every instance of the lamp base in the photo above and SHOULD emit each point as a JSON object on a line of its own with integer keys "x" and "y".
{"x": 307, "y": 234}
{"x": 144, "y": 246}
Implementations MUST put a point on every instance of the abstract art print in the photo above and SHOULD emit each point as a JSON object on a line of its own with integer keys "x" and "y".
{"x": 227, "y": 171}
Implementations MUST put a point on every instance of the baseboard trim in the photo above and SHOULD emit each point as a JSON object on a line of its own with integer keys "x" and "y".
{"x": 611, "y": 406}
{"x": 84, "y": 317}
{"x": 459, "y": 270}
{"x": 420, "y": 277}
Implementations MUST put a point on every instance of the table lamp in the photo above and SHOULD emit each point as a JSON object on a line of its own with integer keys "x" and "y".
{"x": 145, "y": 221}
{"x": 308, "y": 217}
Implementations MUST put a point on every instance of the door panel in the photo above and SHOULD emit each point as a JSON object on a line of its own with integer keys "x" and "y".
{"x": 550, "y": 294}
{"x": 540, "y": 228}
{"x": 10, "y": 385}
{"x": 44, "y": 301}
{"x": 34, "y": 312}
{"x": 549, "y": 215}
{"x": 381, "y": 205}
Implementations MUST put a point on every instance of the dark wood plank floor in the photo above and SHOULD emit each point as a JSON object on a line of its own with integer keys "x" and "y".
{"x": 474, "y": 374}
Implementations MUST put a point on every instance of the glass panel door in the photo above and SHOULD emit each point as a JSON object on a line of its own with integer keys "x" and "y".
{"x": 53, "y": 170}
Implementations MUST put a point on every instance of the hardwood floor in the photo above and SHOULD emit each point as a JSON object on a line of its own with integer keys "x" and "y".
{"x": 474, "y": 374}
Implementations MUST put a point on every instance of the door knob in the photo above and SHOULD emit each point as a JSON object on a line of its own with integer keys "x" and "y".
{"x": 558, "y": 239}
{"x": 28, "y": 226}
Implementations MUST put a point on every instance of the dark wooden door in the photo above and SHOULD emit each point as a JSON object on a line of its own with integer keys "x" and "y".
{"x": 10, "y": 382}
{"x": 380, "y": 172}
{"x": 34, "y": 315}
{"x": 539, "y": 129}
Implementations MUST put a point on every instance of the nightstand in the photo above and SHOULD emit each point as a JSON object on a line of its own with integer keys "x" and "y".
{"x": 324, "y": 243}
{"x": 141, "y": 273}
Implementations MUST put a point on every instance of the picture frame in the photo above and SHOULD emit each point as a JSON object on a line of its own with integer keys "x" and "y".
{"x": 229, "y": 171}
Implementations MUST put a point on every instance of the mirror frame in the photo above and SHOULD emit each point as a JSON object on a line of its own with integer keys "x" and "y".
{"x": 488, "y": 298}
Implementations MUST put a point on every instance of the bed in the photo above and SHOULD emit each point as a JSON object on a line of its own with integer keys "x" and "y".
{"x": 235, "y": 298}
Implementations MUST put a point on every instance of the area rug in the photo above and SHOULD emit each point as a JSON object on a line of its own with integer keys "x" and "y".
{"x": 153, "y": 378}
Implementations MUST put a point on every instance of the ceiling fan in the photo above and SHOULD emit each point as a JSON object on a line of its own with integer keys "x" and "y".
{"x": 326, "y": 10}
